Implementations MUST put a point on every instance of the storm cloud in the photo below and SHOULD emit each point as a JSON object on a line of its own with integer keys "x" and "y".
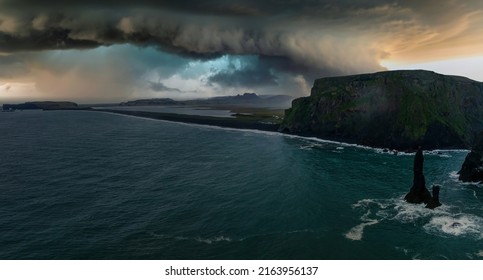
{"x": 298, "y": 38}
{"x": 160, "y": 87}
{"x": 321, "y": 34}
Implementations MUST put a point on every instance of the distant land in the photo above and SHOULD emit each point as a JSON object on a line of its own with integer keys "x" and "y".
{"x": 43, "y": 105}
{"x": 260, "y": 121}
{"x": 392, "y": 109}
{"x": 243, "y": 100}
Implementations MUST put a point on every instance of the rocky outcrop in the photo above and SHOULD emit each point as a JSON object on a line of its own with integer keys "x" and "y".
{"x": 434, "y": 201}
{"x": 472, "y": 169}
{"x": 392, "y": 109}
{"x": 418, "y": 192}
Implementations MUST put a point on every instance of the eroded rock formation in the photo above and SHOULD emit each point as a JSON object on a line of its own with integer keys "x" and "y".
{"x": 434, "y": 201}
{"x": 418, "y": 192}
{"x": 472, "y": 169}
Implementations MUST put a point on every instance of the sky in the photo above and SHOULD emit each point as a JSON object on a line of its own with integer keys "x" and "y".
{"x": 112, "y": 51}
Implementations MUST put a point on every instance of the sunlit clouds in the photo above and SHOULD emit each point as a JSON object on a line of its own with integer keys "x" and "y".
{"x": 470, "y": 67}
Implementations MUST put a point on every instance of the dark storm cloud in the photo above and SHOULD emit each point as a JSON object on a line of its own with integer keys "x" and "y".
{"x": 305, "y": 31}
{"x": 244, "y": 77}
{"x": 217, "y": 7}
{"x": 51, "y": 39}
{"x": 294, "y": 37}
{"x": 261, "y": 71}
{"x": 250, "y": 71}
{"x": 160, "y": 87}
{"x": 12, "y": 66}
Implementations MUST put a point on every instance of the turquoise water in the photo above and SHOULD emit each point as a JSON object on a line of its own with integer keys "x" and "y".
{"x": 92, "y": 185}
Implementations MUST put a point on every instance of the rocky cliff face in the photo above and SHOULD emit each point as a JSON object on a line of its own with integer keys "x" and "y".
{"x": 472, "y": 169}
{"x": 394, "y": 109}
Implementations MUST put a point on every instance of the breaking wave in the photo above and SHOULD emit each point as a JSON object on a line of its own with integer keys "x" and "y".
{"x": 462, "y": 224}
{"x": 443, "y": 221}
{"x": 206, "y": 240}
{"x": 356, "y": 232}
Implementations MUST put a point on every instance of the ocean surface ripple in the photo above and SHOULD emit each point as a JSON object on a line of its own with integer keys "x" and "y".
{"x": 92, "y": 185}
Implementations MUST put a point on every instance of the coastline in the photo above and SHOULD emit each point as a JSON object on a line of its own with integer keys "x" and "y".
{"x": 242, "y": 124}
{"x": 202, "y": 120}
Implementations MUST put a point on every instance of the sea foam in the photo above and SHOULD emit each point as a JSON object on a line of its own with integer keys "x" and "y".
{"x": 442, "y": 221}
{"x": 462, "y": 224}
{"x": 314, "y": 139}
{"x": 356, "y": 232}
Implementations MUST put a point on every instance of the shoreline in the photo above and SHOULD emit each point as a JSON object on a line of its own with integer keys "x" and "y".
{"x": 201, "y": 120}
{"x": 242, "y": 124}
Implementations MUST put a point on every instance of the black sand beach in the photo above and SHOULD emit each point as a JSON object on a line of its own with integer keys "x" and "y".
{"x": 239, "y": 123}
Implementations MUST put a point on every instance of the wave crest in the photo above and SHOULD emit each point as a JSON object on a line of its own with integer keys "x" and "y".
{"x": 443, "y": 220}
{"x": 463, "y": 224}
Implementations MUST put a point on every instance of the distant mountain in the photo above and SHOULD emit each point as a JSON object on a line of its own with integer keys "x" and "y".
{"x": 242, "y": 100}
{"x": 393, "y": 109}
{"x": 150, "y": 102}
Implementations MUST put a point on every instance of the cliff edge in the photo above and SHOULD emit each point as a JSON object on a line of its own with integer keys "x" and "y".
{"x": 392, "y": 109}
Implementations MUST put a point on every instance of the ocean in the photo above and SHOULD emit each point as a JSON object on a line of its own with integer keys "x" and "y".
{"x": 93, "y": 185}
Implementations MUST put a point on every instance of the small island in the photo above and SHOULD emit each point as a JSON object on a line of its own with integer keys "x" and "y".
{"x": 44, "y": 105}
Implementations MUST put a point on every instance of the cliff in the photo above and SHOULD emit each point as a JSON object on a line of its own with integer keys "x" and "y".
{"x": 472, "y": 169}
{"x": 393, "y": 109}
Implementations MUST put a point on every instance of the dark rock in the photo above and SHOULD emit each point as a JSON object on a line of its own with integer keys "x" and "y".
{"x": 391, "y": 109}
{"x": 472, "y": 169}
{"x": 455, "y": 225}
{"x": 434, "y": 201}
{"x": 418, "y": 192}
{"x": 247, "y": 96}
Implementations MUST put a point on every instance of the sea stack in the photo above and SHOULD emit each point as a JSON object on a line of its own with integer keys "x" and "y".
{"x": 472, "y": 169}
{"x": 434, "y": 201}
{"x": 418, "y": 192}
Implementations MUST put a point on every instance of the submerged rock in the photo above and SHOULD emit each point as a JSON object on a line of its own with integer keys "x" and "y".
{"x": 472, "y": 169}
{"x": 418, "y": 192}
